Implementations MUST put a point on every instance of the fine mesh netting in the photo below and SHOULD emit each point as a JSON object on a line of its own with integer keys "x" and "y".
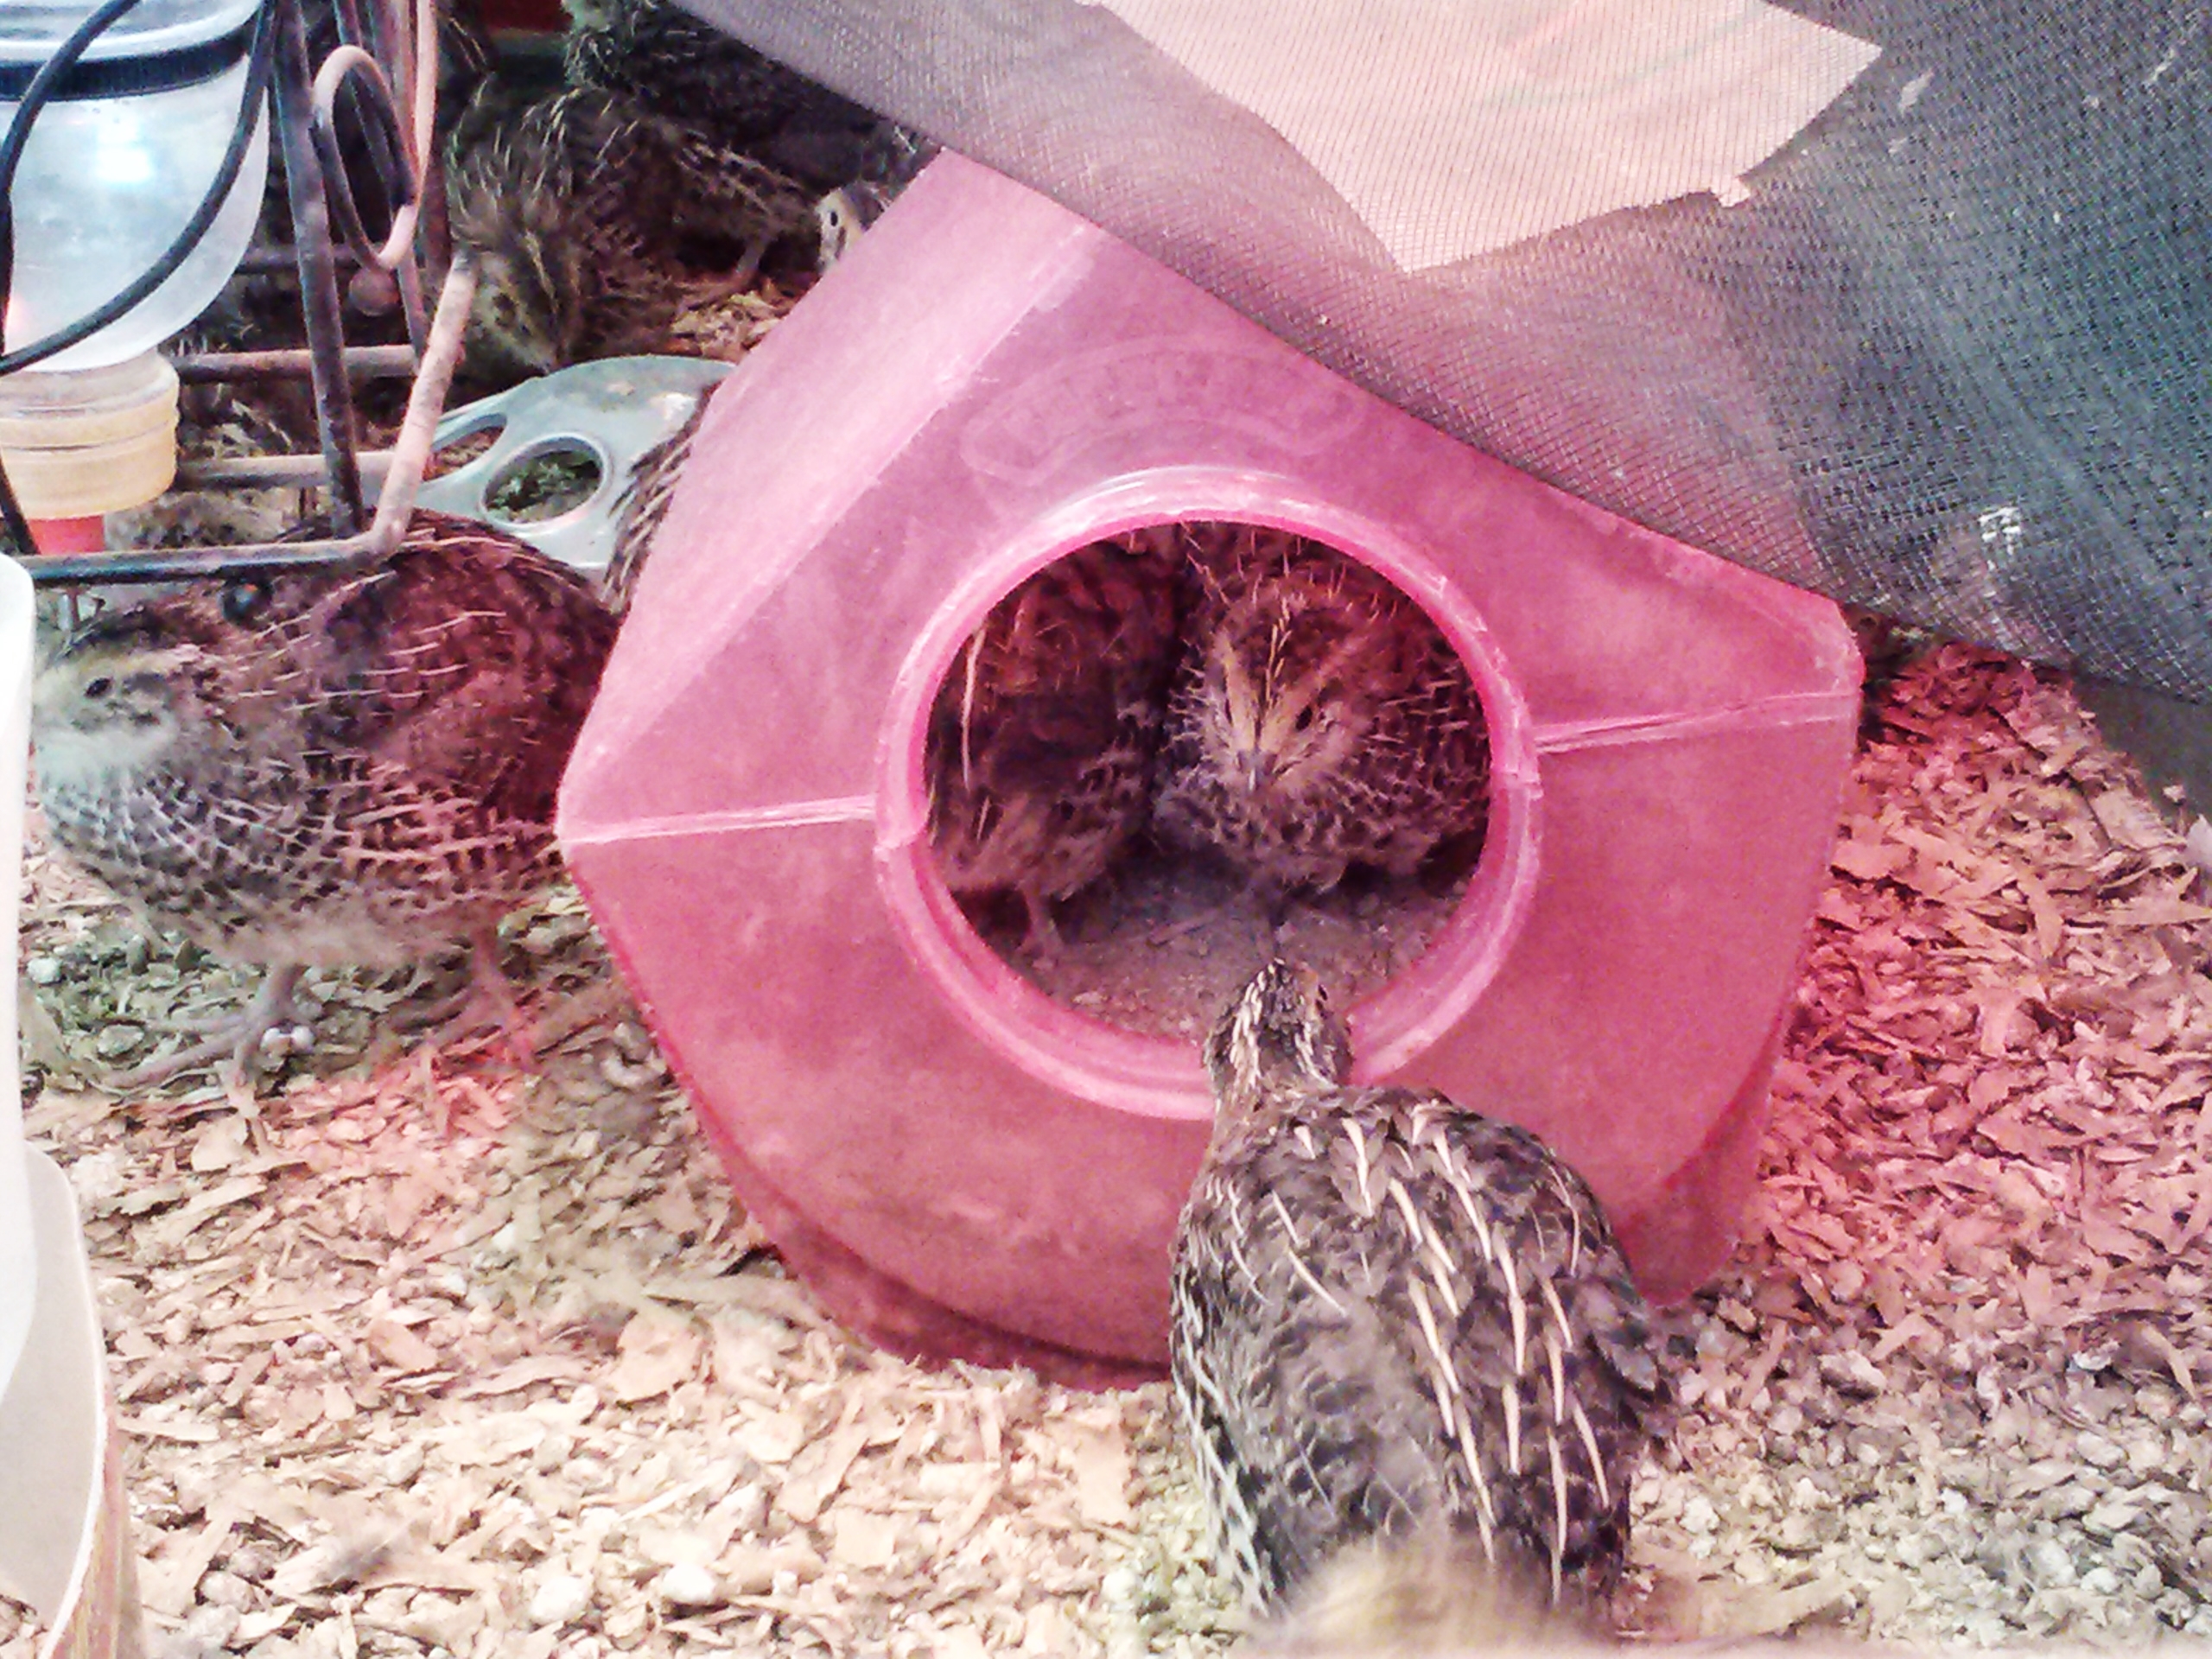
{"x": 1946, "y": 362}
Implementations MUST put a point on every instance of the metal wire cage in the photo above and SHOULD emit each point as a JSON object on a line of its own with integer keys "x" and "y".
{"x": 383, "y": 70}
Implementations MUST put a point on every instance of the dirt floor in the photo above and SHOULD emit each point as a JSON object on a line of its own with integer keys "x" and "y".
{"x": 421, "y": 1355}
{"x": 1161, "y": 943}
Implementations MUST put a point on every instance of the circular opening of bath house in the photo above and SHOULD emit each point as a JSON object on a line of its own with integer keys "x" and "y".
{"x": 1169, "y": 754}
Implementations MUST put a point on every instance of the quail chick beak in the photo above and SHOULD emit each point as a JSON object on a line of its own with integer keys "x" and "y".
{"x": 1254, "y": 772}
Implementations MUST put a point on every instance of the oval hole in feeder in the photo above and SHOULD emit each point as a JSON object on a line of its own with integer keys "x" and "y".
{"x": 545, "y": 481}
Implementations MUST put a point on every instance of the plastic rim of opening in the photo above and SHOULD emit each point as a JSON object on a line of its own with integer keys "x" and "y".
{"x": 1160, "y": 1076}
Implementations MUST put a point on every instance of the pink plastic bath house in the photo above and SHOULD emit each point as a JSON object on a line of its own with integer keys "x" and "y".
{"x": 963, "y": 1165}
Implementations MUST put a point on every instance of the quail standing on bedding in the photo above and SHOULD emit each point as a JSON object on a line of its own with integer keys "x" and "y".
{"x": 1395, "y": 1320}
{"x": 593, "y": 219}
{"x": 326, "y": 767}
{"x": 1319, "y": 719}
{"x": 1041, "y": 744}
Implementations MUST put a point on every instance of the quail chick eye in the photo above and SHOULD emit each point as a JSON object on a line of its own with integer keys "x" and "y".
{"x": 243, "y": 600}
{"x": 98, "y": 688}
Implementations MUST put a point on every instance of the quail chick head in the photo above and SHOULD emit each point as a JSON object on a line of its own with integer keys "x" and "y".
{"x": 1395, "y": 1320}
{"x": 592, "y": 220}
{"x": 841, "y": 214}
{"x": 1319, "y": 718}
{"x": 328, "y": 767}
{"x": 1039, "y": 754}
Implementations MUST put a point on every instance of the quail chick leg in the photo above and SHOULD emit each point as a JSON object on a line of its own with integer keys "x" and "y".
{"x": 1043, "y": 941}
{"x": 488, "y": 1000}
{"x": 236, "y": 1038}
{"x": 492, "y": 999}
{"x": 738, "y": 279}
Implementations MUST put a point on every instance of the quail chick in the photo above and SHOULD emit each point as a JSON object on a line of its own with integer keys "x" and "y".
{"x": 683, "y": 69}
{"x": 1319, "y": 718}
{"x": 642, "y": 506}
{"x": 350, "y": 767}
{"x": 1395, "y": 1320}
{"x": 1041, "y": 744}
{"x": 593, "y": 220}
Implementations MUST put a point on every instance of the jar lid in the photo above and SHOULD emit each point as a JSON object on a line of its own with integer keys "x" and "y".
{"x": 155, "y": 45}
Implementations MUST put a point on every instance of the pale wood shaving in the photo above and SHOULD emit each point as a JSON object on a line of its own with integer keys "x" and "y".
{"x": 1949, "y": 1388}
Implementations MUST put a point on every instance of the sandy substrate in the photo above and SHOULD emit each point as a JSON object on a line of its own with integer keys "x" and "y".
{"x": 1159, "y": 946}
{"x": 420, "y": 1355}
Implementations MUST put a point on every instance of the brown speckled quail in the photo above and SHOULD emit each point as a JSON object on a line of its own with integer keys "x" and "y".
{"x": 328, "y": 767}
{"x": 1041, "y": 744}
{"x": 1396, "y": 1320}
{"x": 1319, "y": 718}
{"x": 683, "y": 69}
{"x": 593, "y": 220}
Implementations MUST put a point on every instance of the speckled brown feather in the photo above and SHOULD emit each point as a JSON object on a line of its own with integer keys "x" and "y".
{"x": 642, "y": 506}
{"x": 1391, "y": 1316}
{"x": 1319, "y": 718}
{"x": 328, "y": 767}
{"x": 667, "y": 60}
{"x": 1040, "y": 743}
{"x": 592, "y": 219}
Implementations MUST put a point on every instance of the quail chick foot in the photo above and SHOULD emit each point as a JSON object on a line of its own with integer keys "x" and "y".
{"x": 235, "y": 1038}
{"x": 1043, "y": 942}
{"x": 738, "y": 279}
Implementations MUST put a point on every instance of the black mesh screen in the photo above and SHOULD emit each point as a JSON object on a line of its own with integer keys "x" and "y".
{"x": 1946, "y": 362}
